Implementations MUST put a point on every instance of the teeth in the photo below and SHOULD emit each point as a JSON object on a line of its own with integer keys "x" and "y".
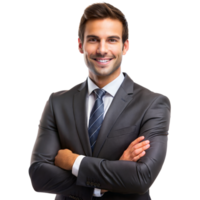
{"x": 103, "y": 61}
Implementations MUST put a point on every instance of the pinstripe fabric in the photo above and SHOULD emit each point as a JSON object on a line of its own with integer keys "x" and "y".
{"x": 96, "y": 117}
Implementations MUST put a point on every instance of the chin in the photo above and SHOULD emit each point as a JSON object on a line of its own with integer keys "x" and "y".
{"x": 102, "y": 72}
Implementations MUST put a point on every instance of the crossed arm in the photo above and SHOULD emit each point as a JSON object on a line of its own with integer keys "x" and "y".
{"x": 52, "y": 177}
{"x": 66, "y": 158}
{"x": 117, "y": 176}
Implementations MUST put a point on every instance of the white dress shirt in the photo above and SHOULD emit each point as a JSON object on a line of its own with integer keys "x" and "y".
{"x": 111, "y": 90}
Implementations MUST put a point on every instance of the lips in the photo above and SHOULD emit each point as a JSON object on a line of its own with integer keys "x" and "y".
{"x": 102, "y": 58}
{"x": 102, "y": 61}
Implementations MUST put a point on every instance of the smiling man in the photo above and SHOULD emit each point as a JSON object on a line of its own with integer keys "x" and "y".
{"x": 106, "y": 138}
{"x": 103, "y": 48}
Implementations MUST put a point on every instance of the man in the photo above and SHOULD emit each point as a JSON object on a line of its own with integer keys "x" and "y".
{"x": 90, "y": 143}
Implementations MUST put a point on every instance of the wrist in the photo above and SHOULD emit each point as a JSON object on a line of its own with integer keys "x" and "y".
{"x": 75, "y": 156}
{"x": 76, "y": 165}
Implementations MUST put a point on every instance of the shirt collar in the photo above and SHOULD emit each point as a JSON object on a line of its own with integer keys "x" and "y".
{"x": 110, "y": 88}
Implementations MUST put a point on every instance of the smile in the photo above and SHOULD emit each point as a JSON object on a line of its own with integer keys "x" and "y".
{"x": 103, "y": 61}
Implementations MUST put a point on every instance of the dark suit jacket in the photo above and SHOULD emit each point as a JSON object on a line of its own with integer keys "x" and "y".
{"x": 135, "y": 111}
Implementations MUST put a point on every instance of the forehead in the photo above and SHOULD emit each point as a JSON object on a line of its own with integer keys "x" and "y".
{"x": 103, "y": 27}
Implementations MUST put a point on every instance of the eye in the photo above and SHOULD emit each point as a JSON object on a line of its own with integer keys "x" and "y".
{"x": 113, "y": 40}
{"x": 92, "y": 40}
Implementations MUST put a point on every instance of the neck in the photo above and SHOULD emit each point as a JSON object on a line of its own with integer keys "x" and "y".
{"x": 102, "y": 81}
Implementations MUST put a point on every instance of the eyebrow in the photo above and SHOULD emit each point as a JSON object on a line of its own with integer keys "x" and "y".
{"x": 113, "y": 36}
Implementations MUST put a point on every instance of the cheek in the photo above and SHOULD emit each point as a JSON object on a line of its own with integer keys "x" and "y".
{"x": 118, "y": 56}
{"x": 87, "y": 55}
{"x": 117, "y": 51}
{"x": 89, "y": 50}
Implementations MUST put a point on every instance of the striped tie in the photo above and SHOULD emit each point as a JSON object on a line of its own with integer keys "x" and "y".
{"x": 96, "y": 117}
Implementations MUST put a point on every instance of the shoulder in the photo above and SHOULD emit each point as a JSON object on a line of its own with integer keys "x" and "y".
{"x": 149, "y": 97}
{"x": 141, "y": 93}
{"x": 66, "y": 95}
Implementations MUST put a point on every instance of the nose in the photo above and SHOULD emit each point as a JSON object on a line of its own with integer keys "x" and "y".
{"x": 102, "y": 48}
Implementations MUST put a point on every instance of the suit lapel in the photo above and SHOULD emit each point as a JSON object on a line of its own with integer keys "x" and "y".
{"x": 79, "y": 107}
{"x": 119, "y": 103}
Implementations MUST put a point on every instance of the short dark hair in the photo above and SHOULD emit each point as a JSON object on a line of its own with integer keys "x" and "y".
{"x": 102, "y": 11}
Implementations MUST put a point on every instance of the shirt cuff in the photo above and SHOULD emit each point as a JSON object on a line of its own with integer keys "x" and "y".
{"x": 75, "y": 169}
{"x": 76, "y": 165}
{"x": 97, "y": 192}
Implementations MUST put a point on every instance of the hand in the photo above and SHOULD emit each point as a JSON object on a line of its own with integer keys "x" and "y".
{"x": 135, "y": 150}
{"x": 65, "y": 159}
{"x": 103, "y": 191}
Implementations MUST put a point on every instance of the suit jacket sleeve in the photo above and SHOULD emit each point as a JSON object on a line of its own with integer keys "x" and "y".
{"x": 133, "y": 177}
{"x": 45, "y": 176}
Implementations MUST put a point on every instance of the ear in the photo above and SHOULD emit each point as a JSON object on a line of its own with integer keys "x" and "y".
{"x": 80, "y": 46}
{"x": 125, "y": 47}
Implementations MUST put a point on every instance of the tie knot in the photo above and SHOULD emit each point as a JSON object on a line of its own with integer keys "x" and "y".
{"x": 100, "y": 93}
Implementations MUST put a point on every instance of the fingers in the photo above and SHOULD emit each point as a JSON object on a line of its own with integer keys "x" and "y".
{"x": 136, "y": 158}
{"x": 139, "y": 139}
{"x": 136, "y": 149}
{"x": 141, "y": 144}
{"x": 136, "y": 141}
{"x": 139, "y": 148}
